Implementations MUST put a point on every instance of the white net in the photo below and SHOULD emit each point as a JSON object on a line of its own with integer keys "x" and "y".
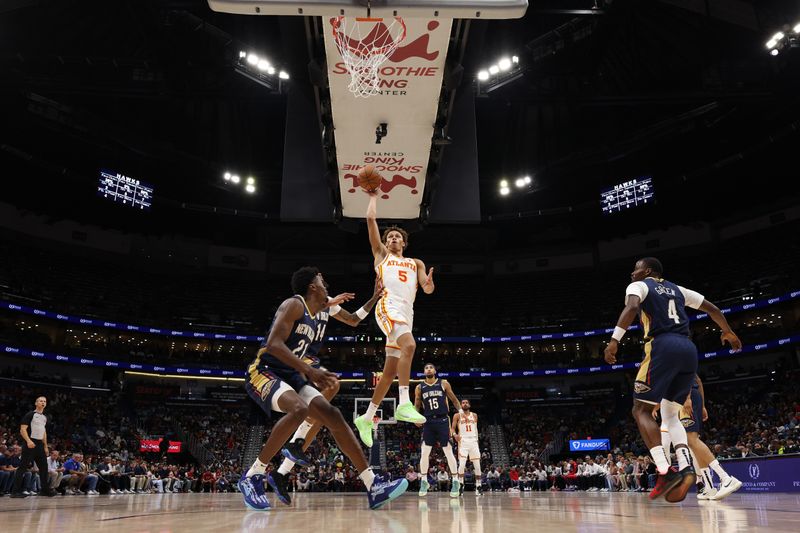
{"x": 365, "y": 44}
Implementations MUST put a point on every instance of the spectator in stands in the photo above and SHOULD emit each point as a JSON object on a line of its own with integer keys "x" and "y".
{"x": 443, "y": 479}
{"x": 55, "y": 469}
{"x": 209, "y": 481}
{"x": 8, "y": 466}
{"x": 413, "y": 479}
{"x": 338, "y": 480}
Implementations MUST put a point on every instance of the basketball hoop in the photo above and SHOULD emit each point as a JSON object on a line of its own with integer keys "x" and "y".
{"x": 365, "y": 44}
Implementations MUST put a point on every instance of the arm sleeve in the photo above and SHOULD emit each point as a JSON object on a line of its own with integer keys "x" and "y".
{"x": 637, "y": 288}
{"x": 27, "y": 419}
{"x": 693, "y": 299}
{"x": 334, "y": 310}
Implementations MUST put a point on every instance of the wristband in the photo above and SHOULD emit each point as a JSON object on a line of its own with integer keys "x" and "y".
{"x": 361, "y": 314}
{"x": 461, "y": 411}
{"x": 618, "y": 333}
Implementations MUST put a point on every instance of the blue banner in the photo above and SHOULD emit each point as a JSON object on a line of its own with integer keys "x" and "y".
{"x": 589, "y": 445}
{"x": 84, "y": 321}
{"x": 776, "y": 473}
{"x": 215, "y": 372}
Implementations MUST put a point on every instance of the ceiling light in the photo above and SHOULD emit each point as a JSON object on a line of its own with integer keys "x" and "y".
{"x": 250, "y": 188}
{"x": 227, "y": 176}
{"x": 242, "y": 54}
{"x": 796, "y": 29}
{"x": 263, "y": 64}
{"x": 503, "y": 183}
{"x": 483, "y": 75}
{"x": 283, "y": 75}
{"x": 504, "y": 64}
{"x": 771, "y": 43}
{"x": 494, "y": 69}
{"x": 774, "y": 52}
{"x": 252, "y": 59}
{"x": 515, "y": 59}
{"x": 527, "y": 180}
{"x": 520, "y": 182}
{"x": 778, "y": 36}
{"x": 504, "y": 191}
{"x": 251, "y": 181}
{"x": 235, "y": 178}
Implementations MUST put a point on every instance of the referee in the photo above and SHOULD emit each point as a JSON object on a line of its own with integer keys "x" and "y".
{"x": 33, "y": 429}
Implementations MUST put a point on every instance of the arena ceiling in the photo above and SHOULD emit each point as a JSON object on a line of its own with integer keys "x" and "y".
{"x": 609, "y": 90}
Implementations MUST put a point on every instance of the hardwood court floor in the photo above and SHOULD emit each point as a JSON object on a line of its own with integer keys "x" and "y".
{"x": 323, "y": 513}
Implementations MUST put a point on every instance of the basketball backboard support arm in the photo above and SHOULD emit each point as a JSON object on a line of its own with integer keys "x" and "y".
{"x": 452, "y": 9}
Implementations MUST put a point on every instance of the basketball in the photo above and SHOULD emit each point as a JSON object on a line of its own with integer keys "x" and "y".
{"x": 369, "y": 179}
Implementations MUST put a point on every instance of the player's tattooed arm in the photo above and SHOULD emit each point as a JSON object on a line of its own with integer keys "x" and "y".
{"x": 448, "y": 389}
{"x": 354, "y": 319}
{"x": 625, "y": 320}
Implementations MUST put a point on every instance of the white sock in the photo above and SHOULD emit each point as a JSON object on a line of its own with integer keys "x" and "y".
{"x": 424, "y": 460}
{"x": 367, "y": 476}
{"x": 666, "y": 440}
{"x": 404, "y": 394}
{"x": 670, "y": 414}
{"x": 302, "y": 431}
{"x": 476, "y": 463}
{"x": 286, "y": 466}
{"x": 705, "y": 473}
{"x": 716, "y": 467}
{"x": 660, "y": 459}
{"x": 371, "y": 410}
{"x": 257, "y": 468}
{"x": 699, "y": 478}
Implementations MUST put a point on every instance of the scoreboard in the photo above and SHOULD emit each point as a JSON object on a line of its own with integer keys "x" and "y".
{"x": 124, "y": 190}
{"x": 628, "y": 194}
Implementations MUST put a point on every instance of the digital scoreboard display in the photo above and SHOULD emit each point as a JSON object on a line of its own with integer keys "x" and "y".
{"x": 125, "y": 190}
{"x": 626, "y": 195}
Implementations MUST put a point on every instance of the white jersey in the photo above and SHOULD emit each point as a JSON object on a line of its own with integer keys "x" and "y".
{"x": 399, "y": 278}
{"x": 468, "y": 426}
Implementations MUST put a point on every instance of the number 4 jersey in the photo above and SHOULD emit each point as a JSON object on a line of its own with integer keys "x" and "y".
{"x": 662, "y": 308}
{"x": 399, "y": 277}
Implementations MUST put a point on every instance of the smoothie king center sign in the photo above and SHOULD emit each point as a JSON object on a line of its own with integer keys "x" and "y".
{"x": 410, "y": 84}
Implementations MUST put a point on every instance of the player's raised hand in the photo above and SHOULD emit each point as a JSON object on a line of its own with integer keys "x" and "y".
{"x": 688, "y": 404}
{"x": 378, "y": 288}
{"x": 340, "y": 299}
{"x": 611, "y": 352}
{"x": 705, "y": 414}
{"x": 428, "y": 279}
{"x": 732, "y": 340}
{"x": 654, "y": 414}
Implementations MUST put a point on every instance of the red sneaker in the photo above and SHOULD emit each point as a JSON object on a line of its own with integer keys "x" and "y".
{"x": 665, "y": 483}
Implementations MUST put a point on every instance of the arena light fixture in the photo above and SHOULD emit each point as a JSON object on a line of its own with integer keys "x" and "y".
{"x": 252, "y": 59}
{"x": 527, "y": 180}
{"x": 250, "y": 188}
{"x": 242, "y": 54}
{"x": 796, "y": 29}
{"x": 504, "y": 64}
{"x": 483, "y": 75}
{"x": 519, "y": 182}
{"x": 503, "y": 183}
{"x": 283, "y": 75}
{"x": 271, "y": 71}
{"x": 251, "y": 181}
{"x": 504, "y": 191}
{"x": 515, "y": 59}
{"x": 494, "y": 69}
{"x": 263, "y": 65}
{"x": 774, "y": 52}
{"x": 235, "y": 178}
{"x": 227, "y": 176}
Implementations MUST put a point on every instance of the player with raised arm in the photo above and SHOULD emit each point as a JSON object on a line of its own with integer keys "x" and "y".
{"x": 432, "y": 397}
{"x": 293, "y": 451}
{"x": 465, "y": 429}
{"x": 395, "y": 316}
{"x": 669, "y": 367}
{"x": 280, "y": 380}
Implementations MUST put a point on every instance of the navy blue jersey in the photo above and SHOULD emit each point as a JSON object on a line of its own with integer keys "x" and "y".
{"x": 305, "y": 331}
{"x": 434, "y": 400}
{"x": 663, "y": 306}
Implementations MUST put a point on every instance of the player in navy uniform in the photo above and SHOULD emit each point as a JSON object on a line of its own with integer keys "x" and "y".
{"x": 280, "y": 380}
{"x": 431, "y": 398}
{"x": 669, "y": 367}
{"x": 294, "y": 450}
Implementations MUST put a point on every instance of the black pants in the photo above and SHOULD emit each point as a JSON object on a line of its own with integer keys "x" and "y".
{"x": 29, "y": 456}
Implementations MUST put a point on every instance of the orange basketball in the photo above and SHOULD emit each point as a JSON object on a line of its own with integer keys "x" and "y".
{"x": 369, "y": 178}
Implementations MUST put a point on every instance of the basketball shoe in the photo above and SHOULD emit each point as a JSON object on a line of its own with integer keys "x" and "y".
{"x": 382, "y": 491}
{"x": 252, "y": 489}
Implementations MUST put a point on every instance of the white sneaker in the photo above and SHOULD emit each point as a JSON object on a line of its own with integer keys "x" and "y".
{"x": 727, "y": 488}
{"x": 26, "y": 493}
{"x": 706, "y": 493}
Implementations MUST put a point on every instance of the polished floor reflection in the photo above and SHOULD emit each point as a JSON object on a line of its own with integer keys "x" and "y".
{"x": 499, "y": 512}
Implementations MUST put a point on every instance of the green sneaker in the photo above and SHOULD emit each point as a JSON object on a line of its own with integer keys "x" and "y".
{"x": 406, "y": 412}
{"x": 455, "y": 489}
{"x": 423, "y": 487}
{"x": 364, "y": 427}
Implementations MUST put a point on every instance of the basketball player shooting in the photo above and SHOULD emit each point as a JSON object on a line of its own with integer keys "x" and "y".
{"x": 669, "y": 366}
{"x": 395, "y": 314}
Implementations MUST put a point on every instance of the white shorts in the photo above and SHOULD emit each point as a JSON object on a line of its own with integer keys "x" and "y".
{"x": 395, "y": 318}
{"x": 307, "y": 393}
{"x": 468, "y": 449}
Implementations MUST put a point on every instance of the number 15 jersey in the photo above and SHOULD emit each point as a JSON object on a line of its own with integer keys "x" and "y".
{"x": 662, "y": 307}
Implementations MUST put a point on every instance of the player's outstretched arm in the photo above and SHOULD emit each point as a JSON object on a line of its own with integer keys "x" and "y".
{"x": 290, "y": 311}
{"x": 378, "y": 248}
{"x": 354, "y": 319}
{"x": 448, "y": 389}
{"x": 727, "y": 336}
{"x": 425, "y": 280}
{"x": 624, "y": 321}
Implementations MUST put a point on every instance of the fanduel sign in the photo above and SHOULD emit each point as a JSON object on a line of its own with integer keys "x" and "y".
{"x": 589, "y": 445}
